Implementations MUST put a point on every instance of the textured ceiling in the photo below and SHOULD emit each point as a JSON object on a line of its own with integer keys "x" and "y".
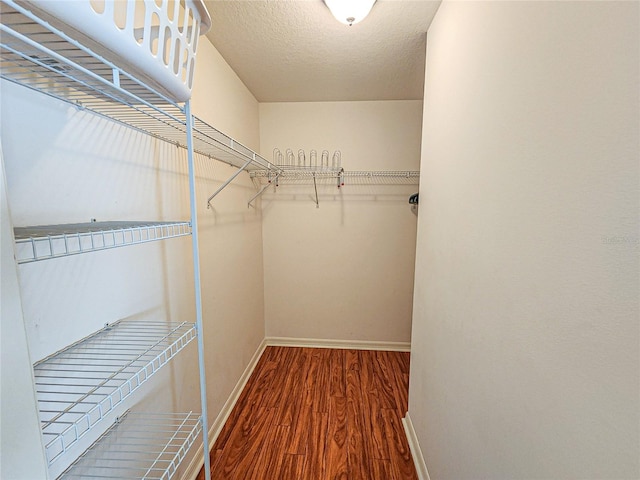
{"x": 294, "y": 50}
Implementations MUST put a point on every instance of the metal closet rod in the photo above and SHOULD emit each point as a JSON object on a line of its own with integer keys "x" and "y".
{"x": 384, "y": 173}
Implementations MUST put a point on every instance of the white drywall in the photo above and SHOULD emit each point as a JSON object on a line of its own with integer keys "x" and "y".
{"x": 230, "y": 233}
{"x": 343, "y": 270}
{"x": 525, "y": 344}
{"x": 66, "y": 165}
{"x": 19, "y": 422}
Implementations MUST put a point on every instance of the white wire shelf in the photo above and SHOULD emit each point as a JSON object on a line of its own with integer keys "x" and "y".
{"x": 37, "y": 55}
{"x": 403, "y": 177}
{"x": 80, "y": 385}
{"x": 290, "y": 175}
{"x": 52, "y": 241}
{"x": 140, "y": 446}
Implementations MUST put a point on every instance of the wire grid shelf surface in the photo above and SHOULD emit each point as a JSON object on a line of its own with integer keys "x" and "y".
{"x": 37, "y": 55}
{"x": 383, "y": 177}
{"x": 78, "y": 386}
{"x": 53, "y": 241}
{"x": 141, "y": 446}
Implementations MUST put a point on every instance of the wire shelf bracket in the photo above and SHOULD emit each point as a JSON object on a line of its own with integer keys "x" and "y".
{"x": 227, "y": 182}
{"x": 264, "y": 187}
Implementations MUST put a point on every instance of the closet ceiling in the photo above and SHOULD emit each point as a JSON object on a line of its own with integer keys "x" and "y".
{"x": 295, "y": 50}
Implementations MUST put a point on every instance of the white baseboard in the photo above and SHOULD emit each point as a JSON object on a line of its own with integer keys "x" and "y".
{"x": 414, "y": 446}
{"x": 216, "y": 427}
{"x": 344, "y": 344}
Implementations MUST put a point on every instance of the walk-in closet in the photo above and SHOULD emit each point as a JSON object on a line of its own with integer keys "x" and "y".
{"x": 281, "y": 239}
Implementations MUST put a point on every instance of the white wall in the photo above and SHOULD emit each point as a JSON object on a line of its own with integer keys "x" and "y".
{"x": 65, "y": 165}
{"x": 525, "y": 346}
{"x": 230, "y": 233}
{"x": 16, "y": 373}
{"x": 343, "y": 270}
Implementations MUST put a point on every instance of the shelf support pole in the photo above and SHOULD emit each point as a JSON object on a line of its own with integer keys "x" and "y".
{"x": 196, "y": 274}
{"x": 224, "y": 185}
{"x": 264, "y": 187}
{"x": 315, "y": 186}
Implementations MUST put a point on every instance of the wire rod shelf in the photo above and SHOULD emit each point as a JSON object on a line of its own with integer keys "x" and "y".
{"x": 37, "y": 55}
{"x": 356, "y": 177}
{"x": 78, "y": 386}
{"x": 52, "y": 241}
{"x": 141, "y": 446}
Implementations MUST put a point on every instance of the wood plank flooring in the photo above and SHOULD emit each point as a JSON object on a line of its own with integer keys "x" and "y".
{"x": 318, "y": 414}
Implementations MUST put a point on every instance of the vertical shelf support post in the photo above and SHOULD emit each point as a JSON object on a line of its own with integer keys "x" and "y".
{"x": 315, "y": 186}
{"x": 196, "y": 273}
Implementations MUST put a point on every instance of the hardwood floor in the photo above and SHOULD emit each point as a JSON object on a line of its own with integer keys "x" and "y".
{"x": 318, "y": 414}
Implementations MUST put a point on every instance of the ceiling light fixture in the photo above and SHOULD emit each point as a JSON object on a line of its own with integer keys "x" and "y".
{"x": 350, "y": 11}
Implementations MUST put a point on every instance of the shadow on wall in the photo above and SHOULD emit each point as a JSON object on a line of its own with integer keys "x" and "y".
{"x": 217, "y": 218}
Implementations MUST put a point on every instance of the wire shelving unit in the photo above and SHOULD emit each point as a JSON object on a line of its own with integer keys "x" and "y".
{"x": 53, "y": 241}
{"x": 80, "y": 385}
{"x": 164, "y": 439}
